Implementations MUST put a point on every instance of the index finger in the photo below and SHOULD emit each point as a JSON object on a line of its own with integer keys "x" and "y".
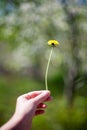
{"x": 33, "y": 94}
{"x": 41, "y": 97}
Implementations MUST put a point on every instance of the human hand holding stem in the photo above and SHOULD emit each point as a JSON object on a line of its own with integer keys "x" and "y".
{"x": 52, "y": 43}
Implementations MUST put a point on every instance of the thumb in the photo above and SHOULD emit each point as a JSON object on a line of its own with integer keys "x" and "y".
{"x": 41, "y": 97}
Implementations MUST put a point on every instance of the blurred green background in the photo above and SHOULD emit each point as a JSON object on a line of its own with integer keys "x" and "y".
{"x": 25, "y": 28}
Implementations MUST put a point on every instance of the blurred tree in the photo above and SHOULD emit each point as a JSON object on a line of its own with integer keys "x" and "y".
{"x": 7, "y": 6}
{"x": 74, "y": 70}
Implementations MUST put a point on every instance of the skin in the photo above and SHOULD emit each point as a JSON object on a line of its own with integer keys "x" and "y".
{"x": 27, "y": 106}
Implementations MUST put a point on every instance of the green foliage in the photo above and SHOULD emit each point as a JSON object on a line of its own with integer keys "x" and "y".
{"x": 30, "y": 27}
{"x": 10, "y": 88}
{"x": 58, "y": 115}
{"x": 27, "y": 30}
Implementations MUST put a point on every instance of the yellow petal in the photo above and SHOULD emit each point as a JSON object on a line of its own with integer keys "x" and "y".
{"x": 53, "y": 42}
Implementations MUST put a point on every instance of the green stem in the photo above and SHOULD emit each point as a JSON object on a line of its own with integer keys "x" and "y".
{"x": 46, "y": 74}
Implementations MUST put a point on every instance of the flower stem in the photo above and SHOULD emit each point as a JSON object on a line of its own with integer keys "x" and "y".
{"x": 46, "y": 74}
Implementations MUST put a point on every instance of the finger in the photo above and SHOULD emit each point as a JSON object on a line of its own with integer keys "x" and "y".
{"x": 49, "y": 99}
{"x": 42, "y": 105}
{"x": 39, "y": 112}
{"x": 33, "y": 94}
{"x": 41, "y": 97}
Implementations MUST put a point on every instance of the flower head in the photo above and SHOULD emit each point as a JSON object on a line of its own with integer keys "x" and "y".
{"x": 53, "y": 42}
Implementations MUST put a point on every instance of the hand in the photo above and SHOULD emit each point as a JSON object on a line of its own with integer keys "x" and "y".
{"x": 27, "y": 106}
{"x": 31, "y": 104}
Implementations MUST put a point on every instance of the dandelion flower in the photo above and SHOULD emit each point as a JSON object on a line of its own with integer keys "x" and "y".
{"x": 50, "y": 43}
{"x": 53, "y": 42}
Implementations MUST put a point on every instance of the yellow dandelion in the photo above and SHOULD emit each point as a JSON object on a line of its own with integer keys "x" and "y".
{"x": 53, "y": 42}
